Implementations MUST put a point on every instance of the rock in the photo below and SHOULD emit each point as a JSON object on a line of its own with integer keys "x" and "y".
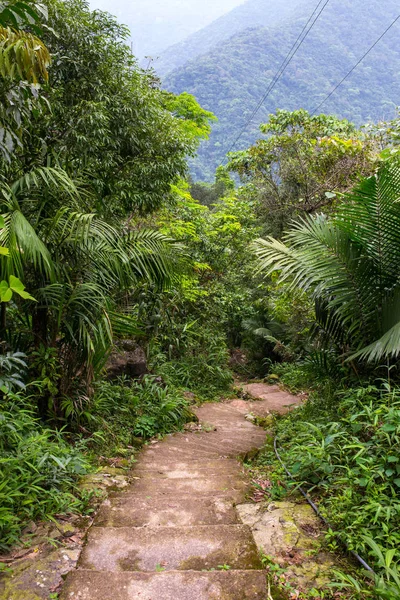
{"x": 288, "y": 532}
{"x": 237, "y": 359}
{"x": 128, "y": 359}
{"x": 190, "y": 397}
{"x": 104, "y": 481}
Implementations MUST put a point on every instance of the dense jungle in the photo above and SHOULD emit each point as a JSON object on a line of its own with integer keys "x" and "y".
{"x": 131, "y": 291}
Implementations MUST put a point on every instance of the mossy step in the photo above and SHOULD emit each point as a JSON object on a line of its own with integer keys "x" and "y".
{"x": 175, "y": 511}
{"x": 227, "y": 585}
{"x": 116, "y": 549}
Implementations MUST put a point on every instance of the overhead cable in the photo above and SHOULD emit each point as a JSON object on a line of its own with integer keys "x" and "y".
{"x": 355, "y": 66}
{"x": 291, "y": 54}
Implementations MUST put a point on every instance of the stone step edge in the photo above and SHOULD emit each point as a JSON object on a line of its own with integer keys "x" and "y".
{"x": 163, "y": 573}
{"x": 158, "y": 529}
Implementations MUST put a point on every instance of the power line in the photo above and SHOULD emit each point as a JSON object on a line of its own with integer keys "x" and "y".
{"x": 292, "y": 52}
{"x": 355, "y": 66}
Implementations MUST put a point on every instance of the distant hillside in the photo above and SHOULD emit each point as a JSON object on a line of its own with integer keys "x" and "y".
{"x": 253, "y": 13}
{"x": 232, "y": 77}
{"x": 158, "y": 24}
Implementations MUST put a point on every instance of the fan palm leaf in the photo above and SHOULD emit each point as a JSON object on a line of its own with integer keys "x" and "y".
{"x": 349, "y": 264}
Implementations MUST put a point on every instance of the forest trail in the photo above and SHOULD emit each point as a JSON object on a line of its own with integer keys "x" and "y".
{"x": 174, "y": 534}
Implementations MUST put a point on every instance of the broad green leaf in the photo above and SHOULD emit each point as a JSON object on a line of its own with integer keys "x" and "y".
{"x": 16, "y": 284}
{"x": 18, "y": 287}
{"x": 5, "y": 292}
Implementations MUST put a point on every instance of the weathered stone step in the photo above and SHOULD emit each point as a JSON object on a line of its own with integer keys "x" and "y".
{"x": 222, "y": 409}
{"x": 150, "y": 463}
{"x": 179, "y": 465}
{"x": 193, "y": 473}
{"x": 178, "y": 511}
{"x": 192, "y": 585}
{"x": 234, "y": 495}
{"x": 224, "y": 447}
{"x": 171, "y": 450}
{"x": 116, "y": 549}
{"x": 265, "y": 401}
{"x": 230, "y": 436}
{"x": 220, "y": 443}
{"x": 201, "y": 486}
{"x": 225, "y": 423}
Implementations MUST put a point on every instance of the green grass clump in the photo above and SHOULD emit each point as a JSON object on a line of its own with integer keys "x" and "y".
{"x": 39, "y": 470}
{"x": 126, "y": 409}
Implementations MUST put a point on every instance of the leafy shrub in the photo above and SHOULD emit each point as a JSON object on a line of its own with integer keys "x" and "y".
{"x": 304, "y": 376}
{"x": 38, "y": 470}
{"x": 129, "y": 408}
{"x": 202, "y": 366}
{"x": 348, "y": 450}
{"x": 12, "y": 371}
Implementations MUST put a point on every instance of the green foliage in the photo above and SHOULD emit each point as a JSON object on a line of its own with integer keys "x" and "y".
{"x": 346, "y": 449}
{"x": 127, "y": 409}
{"x": 201, "y": 318}
{"x": 200, "y": 364}
{"x": 104, "y": 148}
{"x": 24, "y": 61}
{"x": 347, "y": 264}
{"x": 12, "y": 371}
{"x": 38, "y": 470}
{"x": 305, "y": 162}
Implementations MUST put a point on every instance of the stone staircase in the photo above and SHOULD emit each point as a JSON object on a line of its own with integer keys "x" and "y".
{"x": 174, "y": 534}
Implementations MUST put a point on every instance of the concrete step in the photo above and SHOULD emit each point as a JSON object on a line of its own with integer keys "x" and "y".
{"x": 202, "y": 486}
{"x": 173, "y": 511}
{"x": 116, "y": 549}
{"x": 188, "y": 473}
{"x": 192, "y": 585}
{"x": 187, "y": 466}
{"x": 220, "y": 444}
{"x": 234, "y": 495}
{"x": 175, "y": 452}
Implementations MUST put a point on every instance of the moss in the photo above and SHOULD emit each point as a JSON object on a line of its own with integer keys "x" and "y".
{"x": 10, "y": 592}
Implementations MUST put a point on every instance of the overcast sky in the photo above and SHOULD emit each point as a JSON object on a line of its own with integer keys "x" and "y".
{"x": 157, "y": 24}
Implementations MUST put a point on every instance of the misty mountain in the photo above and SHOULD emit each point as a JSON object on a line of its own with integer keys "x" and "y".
{"x": 157, "y": 24}
{"x": 253, "y": 13}
{"x": 233, "y": 75}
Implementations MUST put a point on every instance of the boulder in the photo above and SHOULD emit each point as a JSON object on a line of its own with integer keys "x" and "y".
{"x": 128, "y": 359}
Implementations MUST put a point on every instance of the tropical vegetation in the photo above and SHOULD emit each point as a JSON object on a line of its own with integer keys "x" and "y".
{"x": 283, "y": 267}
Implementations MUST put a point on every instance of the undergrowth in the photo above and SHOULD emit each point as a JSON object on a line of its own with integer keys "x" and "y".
{"x": 126, "y": 409}
{"x": 201, "y": 365}
{"x": 39, "y": 470}
{"x": 343, "y": 446}
{"x": 40, "y": 466}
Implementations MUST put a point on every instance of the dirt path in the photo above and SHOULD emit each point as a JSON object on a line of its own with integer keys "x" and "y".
{"x": 174, "y": 534}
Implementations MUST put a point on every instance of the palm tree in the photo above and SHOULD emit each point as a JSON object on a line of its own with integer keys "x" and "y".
{"x": 78, "y": 268}
{"x": 350, "y": 265}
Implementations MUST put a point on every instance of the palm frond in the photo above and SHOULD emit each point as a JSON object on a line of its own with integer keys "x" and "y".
{"x": 154, "y": 256}
{"x": 45, "y": 177}
{"x": 349, "y": 264}
{"x": 24, "y": 246}
{"x": 387, "y": 346}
